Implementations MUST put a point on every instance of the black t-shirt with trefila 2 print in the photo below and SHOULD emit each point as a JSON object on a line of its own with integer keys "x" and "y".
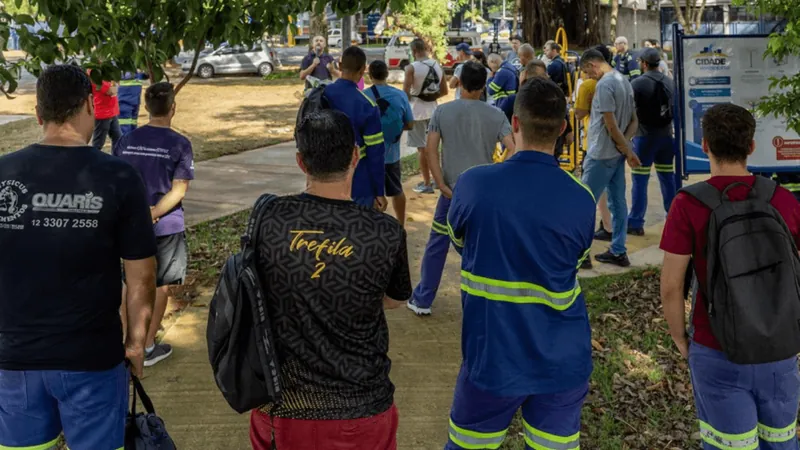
{"x": 326, "y": 266}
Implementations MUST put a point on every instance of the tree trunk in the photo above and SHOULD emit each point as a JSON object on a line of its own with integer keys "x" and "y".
{"x": 515, "y": 23}
{"x": 319, "y": 24}
{"x": 200, "y": 45}
{"x": 538, "y": 21}
{"x": 614, "y": 16}
{"x": 698, "y": 14}
{"x": 681, "y": 17}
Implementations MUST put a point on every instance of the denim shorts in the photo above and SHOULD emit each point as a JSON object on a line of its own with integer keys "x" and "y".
{"x": 90, "y": 408}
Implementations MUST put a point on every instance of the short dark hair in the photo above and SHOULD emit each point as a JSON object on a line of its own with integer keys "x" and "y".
{"x": 326, "y": 141}
{"x": 517, "y": 37}
{"x": 540, "y": 108}
{"x": 378, "y": 70}
{"x": 592, "y": 55}
{"x": 652, "y": 41}
{"x": 353, "y": 59}
{"x": 473, "y": 76}
{"x": 533, "y": 66}
{"x": 603, "y": 49}
{"x": 61, "y": 92}
{"x": 159, "y": 99}
{"x": 553, "y": 46}
{"x": 418, "y": 46}
{"x": 729, "y": 131}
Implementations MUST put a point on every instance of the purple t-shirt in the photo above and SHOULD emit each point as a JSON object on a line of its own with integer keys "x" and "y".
{"x": 160, "y": 155}
{"x": 321, "y": 71}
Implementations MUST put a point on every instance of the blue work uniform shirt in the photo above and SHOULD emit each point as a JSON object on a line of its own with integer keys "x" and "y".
{"x": 504, "y": 84}
{"x": 344, "y": 96}
{"x": 627, "y": 65}
{"x": 525, "y": 326}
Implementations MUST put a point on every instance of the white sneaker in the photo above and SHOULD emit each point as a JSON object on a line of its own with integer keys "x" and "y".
{"x": 417, "y": 310}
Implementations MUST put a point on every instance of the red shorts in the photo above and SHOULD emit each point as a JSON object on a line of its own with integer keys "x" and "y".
{"x": 370, "y": 433}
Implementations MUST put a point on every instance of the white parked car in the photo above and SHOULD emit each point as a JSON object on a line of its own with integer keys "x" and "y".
{"x": 398, "y": 55}
{"x": 335, "y": 38}
{"x": 258, "y": 59}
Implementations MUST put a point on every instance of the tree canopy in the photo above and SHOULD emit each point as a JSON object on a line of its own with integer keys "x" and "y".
{"x": 115, "y": 36}
{"x": 428, "y": 19}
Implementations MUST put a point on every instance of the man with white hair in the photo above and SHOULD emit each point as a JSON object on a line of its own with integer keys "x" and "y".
{"x": 624, "y": 62}
{"x": 526, "y": 55}
{"x": 504, "y": 83}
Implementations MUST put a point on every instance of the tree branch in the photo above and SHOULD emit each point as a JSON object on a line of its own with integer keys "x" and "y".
{"x": 699, "y": 14}
{"x": 679, "y": 14}
{"x": 201, "y": 43}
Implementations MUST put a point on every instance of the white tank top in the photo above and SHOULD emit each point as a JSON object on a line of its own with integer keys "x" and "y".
{"x": 424, "y": 110}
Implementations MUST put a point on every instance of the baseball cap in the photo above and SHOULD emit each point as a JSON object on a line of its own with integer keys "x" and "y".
{"x": 651, "y": 56}
{"x": 464, "y": 47}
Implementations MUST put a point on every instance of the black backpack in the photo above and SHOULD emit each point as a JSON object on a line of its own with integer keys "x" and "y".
{"x": 240, "y": 342}
{"x": 431, "y": 79}
{"x": 753, "y": 285}
{"x": 315, "y": 101}
{"x": 659, "y": 114}
{"x": 145, "y": 431}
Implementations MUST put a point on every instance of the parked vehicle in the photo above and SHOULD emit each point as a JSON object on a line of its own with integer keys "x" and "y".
{"x": 398, "y": 56}
{"x": 258, "y": 59}
{"x": 335, "y": 38}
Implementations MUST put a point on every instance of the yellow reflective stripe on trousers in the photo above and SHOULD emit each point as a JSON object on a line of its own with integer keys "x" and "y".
{"x": 725, "y": 441}
{"x": 48, "y": 446}
{"x": 457, "y": 241}
{"x": 770, "y": 434}
{"x": 642, "y": 170}
{"x": 517, "y": 291}
{"x": 583, "y": 258}
{"x": 668, "y": 168}
{"x": 475, "y": 439}
{"x": 540, "y": 440}
{"x": 128, "y": 122}
{"x": 439, "y": 228}
{"x": 581, "y": 183}
{"x": 131, "y": 83}
{"x": 373, "y": 139}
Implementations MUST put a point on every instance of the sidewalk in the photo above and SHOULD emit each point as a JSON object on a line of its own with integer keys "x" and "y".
{"x": 425, "y": 351}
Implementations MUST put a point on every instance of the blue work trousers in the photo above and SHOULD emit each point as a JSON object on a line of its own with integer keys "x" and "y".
{"x": 658, "y": 150}
{"x": 435, "y": 256}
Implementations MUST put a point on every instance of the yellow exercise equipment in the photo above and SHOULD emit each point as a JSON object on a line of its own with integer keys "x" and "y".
{"x": 574, "y": 157}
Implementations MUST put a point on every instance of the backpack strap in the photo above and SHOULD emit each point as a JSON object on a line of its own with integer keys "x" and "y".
{"x": 705, "y": 193}
{"x": 250, "y": 236}
{"x": 764, "y": 188}
{"x": 375, "y": 92}
{"x": 146, "y": 402}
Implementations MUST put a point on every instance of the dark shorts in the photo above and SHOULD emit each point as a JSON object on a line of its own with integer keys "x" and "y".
{"x": 171, "y": 260}
{"x": 394, "y": 181}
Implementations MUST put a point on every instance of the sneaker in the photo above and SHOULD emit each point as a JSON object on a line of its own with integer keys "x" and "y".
{"x": 412, "y": 305}
{"x": 587, "y": 263}
{"x": 160, "y": 353}
{"x": 610, "y": 258}
{"x": 636, "y": 231}
{"x": 421, "y": 188}
{"x": 602, "y": 234}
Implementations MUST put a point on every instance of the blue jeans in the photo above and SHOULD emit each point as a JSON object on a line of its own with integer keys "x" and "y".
{"x": 609, "y": 175}
{"x": 435, "y": 256}
{"x": 90, "y": 407}
{"x": 745, "y": 406}
{"x": 480, "y": 419}
{"x": 658, "y": 150}
{"x": 103, "y": 128}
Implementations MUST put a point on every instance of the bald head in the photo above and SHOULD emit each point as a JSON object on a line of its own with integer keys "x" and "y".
{"x": 526, "y": 54}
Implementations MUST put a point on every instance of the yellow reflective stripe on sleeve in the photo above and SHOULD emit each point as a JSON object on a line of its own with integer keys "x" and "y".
{"x": 665, "y": 168}
{"x": 362, "y": 152}
{"x": 635, "y": 73}
{"x": 770, "y": 434}
{"x": 725, "y": 441}
{"x": 495, "y": 86}
{"x": 439, "y": 228}
{"x": 48, "y": 446}
{"x": 457, "y": 241}
{"x": 581, "y": 183}
{"x": 540, "y": 440}
{"x": 511, "y": 92}
{"x": 793, "y": 187}
{"x": 475, "y": 440}
{"x": 371, "y": 101}
{"x": 128, "y": 122}
{"x": 517, "y": 291}
{"x": 373, "y": 139}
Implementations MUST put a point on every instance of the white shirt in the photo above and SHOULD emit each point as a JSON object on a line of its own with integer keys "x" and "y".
{"x": 424, "y": 110}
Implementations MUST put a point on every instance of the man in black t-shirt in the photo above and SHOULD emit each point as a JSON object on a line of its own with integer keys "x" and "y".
{"x": 68, "y": 214}
{"x": 329, "y": 268}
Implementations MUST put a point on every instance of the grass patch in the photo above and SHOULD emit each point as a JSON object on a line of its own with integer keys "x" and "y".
{"x": 640, "y": 395}
{"x": 221, "y": 116}
{"x": 409, "y": 165}
{"x": 210, "y": 245}
{"x": 281, "y": 75}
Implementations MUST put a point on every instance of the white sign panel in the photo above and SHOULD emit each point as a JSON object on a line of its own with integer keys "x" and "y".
{"x": 733, "y": 70}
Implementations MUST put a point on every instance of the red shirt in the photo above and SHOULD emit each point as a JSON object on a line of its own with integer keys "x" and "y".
{"x": 685, "y": 233}
{"x": 105, "y": 105}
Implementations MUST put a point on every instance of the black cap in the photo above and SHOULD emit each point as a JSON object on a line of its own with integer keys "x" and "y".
{"x": 651, "y": 56}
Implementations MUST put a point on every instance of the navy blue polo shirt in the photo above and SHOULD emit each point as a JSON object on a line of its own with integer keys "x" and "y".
{"x": 525, "y": 329}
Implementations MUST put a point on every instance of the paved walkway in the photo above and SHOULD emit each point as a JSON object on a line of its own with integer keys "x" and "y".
{"x": 425, "y": 351}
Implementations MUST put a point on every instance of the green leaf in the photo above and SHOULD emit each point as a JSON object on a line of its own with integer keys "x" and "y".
{"x": 24, "y": 19}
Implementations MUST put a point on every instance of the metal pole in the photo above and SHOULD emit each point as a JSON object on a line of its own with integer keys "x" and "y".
{"x": 635, "y": 24}
{"x": 504, "y": 10}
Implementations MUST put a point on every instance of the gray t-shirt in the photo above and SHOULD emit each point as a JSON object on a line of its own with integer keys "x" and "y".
{"x": 457, "y": 74}
{"x": 470, "y": 131}
{"x": 613, "y": 94}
